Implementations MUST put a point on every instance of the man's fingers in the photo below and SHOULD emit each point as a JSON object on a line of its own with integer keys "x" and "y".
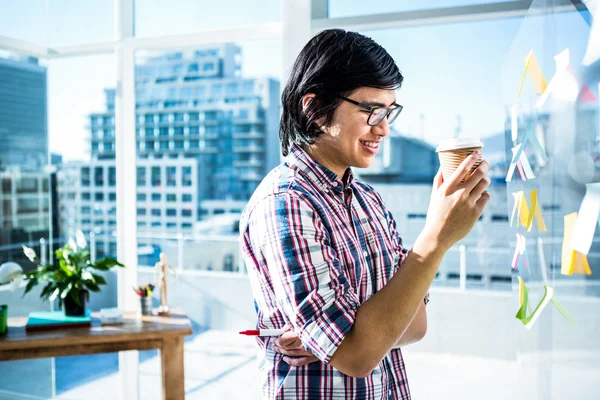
{"x": 438, "y": 179}
{"x": 292, "y": 352}
{"x": 288, "y": 340}
{"x": 477, "y": 176}
{"x": 464, "y": 168}
{"x": 480, "y": 188}
{"x": 300, "y": 361}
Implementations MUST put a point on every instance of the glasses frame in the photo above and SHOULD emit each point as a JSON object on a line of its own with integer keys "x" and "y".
{"x": 373, "y": 109}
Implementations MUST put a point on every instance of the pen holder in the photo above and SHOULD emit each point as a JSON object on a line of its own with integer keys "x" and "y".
{"x": 3, "y": 319}
{"x": 146, "y": 305}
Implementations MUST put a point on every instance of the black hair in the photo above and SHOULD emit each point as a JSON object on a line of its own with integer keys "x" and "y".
{"x": 333, "y": 63}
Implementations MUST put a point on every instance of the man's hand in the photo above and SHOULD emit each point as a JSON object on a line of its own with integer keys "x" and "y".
{"x": 455, "y": 206}
{"x": 291, "y": 347}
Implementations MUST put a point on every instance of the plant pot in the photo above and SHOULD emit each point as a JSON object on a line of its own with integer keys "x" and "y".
{"x": 72, "y": 308}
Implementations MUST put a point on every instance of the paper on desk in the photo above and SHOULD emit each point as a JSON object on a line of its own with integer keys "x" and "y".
{"x": 573, "y": 262}
{"x": 585, "y": 226}
{"x": 530, "y": 320}
{"x": 566, "y": 84}
{"x": 532, "y": 67}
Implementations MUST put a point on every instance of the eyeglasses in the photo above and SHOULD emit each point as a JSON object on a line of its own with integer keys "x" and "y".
{"x": 377, "y": 114}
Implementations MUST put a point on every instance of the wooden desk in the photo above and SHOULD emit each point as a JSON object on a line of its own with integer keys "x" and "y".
{"x": 136, "y": 333}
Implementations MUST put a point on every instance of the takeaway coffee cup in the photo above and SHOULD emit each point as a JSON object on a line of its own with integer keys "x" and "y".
{"x": 453, "y": 151}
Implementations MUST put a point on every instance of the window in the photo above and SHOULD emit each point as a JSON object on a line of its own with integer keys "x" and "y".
{"x": 99, "y": 196}
{"x": 156, "y": 224}
{"x": 141, "y": 176}
{"x": 86, "y": 210}
{"x": 171, "y": 176}
{"x": 112, "y": 176}
{"x": 85, "y": 195}
{"x": 171, "y": 212}
{"x": 85, "y": 176}
{"x": 171, "y": 197}
{"x": 141, "y": 211}
{"x": 186, "y": 176}
{"x": 186, "y": 198}
{"x": 156, "y": 212}
{"x": 156, "y": 197}
{"x": 99, "y": 176}
{"x": 155, "y": 176}
{"x": 186, "y": 225}
{"x": 171, "y": 225}
{"x": 186, "y": 212}
{"x": 112, "y": 196}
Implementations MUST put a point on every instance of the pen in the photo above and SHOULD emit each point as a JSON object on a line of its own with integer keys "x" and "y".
{"x": 263, "y": 332}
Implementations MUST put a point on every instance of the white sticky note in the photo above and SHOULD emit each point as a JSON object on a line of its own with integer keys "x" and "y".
{"x": 587, "y": 218}
{"x": 514, "y": 122}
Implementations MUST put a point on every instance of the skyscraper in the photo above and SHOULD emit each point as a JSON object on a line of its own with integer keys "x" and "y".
{"x": 23, "y": 115}
{"x": 197, "y": 105}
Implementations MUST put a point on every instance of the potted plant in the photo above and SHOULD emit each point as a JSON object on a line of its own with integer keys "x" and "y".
{"x": 70, "y": 277}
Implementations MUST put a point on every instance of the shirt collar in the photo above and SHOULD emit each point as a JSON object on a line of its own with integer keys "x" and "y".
{"x": 318, "y": 174}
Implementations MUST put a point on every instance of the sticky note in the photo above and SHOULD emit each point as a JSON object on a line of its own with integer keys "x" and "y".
{"x": 585, "y": 226}
{"x": 529, "y": 320}
{"x": 535, "y": 212}
{"x": 532, "y": 67}
{"x": 566, "y": 84}
{"x": 522, "y": 165}
{"x": 573, "y": 262}
{"x": 592, "y": 54}
{"x": 526, "y": 215}
{"x": 514, "y": 122}
{"x": 520, "y": 255}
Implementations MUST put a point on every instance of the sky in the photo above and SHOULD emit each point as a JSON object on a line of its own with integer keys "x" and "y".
{"x": 459, "y": 78}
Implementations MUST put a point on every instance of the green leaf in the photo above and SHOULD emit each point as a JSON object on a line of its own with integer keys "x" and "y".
{"x": 99, "y": 279}
{"x": 54, "y": 294}
{"x": 29, "y": 253}
{"x": 30, "y": 284}
{"x": 107, "y": 263}
{"x": 92, "y": 286}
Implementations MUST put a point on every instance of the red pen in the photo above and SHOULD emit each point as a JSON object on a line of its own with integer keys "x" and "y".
{"x": 263, "y": 332}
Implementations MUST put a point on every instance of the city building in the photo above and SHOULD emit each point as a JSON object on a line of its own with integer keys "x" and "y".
{"x": 402, "y": 159}
{"x": 23, "y": 114}
{"x": 196, "y": 105}
{"x": 166, "y": 198}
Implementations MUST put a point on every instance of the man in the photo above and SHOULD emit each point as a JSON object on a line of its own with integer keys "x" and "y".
{"x": 323, "y": 253}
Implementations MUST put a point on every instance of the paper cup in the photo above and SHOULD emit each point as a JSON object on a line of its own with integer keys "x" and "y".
{"x": 453, "y": 152}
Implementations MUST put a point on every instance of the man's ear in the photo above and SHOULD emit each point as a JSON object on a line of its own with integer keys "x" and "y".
{"x": 306, "y": 99}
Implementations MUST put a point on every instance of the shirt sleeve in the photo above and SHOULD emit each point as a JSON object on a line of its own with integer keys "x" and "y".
{"x": 309, "y": 285}
{"x": 399, "y": 249}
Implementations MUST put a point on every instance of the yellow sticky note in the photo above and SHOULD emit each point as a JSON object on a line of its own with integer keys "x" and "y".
{"x": 532, "y": 67}
{"x": 573, "y": 262}
{"x": 523, "y": 209}
{"x": 536, "y": 213}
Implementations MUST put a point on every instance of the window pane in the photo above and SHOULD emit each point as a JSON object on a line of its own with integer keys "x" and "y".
{"x": 89, "y": 21}
{"x": 349, "y": 8}
{"x": 159, "y": 17}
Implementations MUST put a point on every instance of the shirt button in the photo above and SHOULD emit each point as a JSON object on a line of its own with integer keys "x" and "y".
{"x": 334, "y": 184}
{"x": 365, "y": 253}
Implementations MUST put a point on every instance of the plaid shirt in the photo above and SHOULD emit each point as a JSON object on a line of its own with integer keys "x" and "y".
{"x": 316, "y": 248}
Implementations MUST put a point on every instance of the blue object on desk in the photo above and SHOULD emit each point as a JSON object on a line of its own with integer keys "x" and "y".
{"x": 47, "y": 320}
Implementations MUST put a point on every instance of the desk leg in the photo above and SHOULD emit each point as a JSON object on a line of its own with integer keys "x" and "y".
{"x": 171, "y": 355}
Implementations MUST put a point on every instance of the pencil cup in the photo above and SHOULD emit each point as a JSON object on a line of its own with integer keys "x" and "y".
{"x": 146, "y": 305}
{"x": 453, "y": 152}
{"x": 3, "y": 319}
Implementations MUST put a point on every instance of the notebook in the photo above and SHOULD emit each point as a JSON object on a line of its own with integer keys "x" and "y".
{"x": 48, "y": 320}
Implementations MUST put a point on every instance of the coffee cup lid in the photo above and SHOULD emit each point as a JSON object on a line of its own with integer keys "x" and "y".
{"x": 461, "y": 143}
